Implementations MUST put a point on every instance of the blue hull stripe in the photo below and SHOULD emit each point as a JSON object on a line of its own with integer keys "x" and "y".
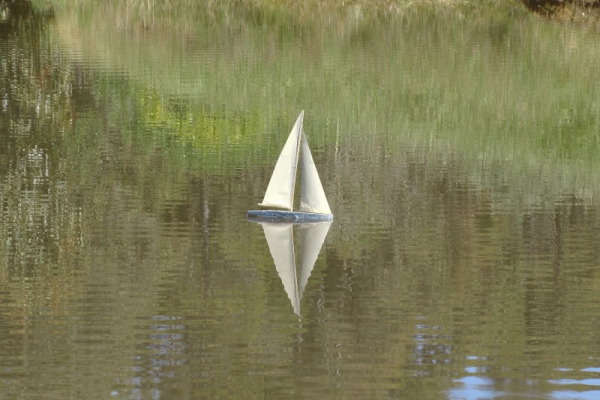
{"x": 286, "y": 216}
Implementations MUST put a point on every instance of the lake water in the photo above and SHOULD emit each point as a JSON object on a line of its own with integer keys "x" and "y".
{"x": 459, "y": 151}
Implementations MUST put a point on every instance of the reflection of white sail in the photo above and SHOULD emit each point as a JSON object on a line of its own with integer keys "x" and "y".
{"x": 280, "y": 238}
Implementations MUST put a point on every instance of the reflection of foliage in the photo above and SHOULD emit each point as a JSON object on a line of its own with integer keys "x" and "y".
{"x": 219, "y": 133}
{"x": 472, "y": 83}
{"x": 35, "y": 94}
{"x": 303, "y": 13}
{"x": 566, "y": 10}
{"x": 98, "y": 180}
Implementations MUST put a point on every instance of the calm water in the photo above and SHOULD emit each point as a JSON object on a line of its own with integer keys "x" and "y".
{"x": 459, "y": 157}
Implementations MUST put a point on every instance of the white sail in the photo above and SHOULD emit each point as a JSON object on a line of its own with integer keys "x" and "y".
{"x": 280, "y": 192}
{"x": 313, "y": 197}
{"x": 280, "y": 238}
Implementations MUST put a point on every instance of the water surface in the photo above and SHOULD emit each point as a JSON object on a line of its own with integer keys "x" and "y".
{"x": 459, "y": 154}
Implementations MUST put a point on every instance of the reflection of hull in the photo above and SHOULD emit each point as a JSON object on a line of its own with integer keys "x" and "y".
{"x": 280, "y": 238}
{"x": 287, "y": 216}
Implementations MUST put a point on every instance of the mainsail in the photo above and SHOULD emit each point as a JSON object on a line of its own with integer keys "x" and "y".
{"x": 280, "y": 192}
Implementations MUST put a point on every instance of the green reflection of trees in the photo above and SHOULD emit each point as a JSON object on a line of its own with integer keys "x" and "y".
{"x": 35, "y": 88}
{"x": 484, "y": 80}
{"x": 102, "y": 207}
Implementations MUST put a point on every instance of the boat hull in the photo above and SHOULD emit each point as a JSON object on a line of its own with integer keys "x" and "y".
{"x": 286, "y": 216}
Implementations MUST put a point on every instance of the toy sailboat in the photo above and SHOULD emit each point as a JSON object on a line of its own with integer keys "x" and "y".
{"x": 280, "y": 192}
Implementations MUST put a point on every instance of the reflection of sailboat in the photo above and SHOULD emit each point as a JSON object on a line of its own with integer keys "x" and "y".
{"x": 280, "y": 192}
{"x": 280, "y": 237}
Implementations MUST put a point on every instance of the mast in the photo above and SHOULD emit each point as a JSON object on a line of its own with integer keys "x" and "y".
{"x": 299, "y": 137}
